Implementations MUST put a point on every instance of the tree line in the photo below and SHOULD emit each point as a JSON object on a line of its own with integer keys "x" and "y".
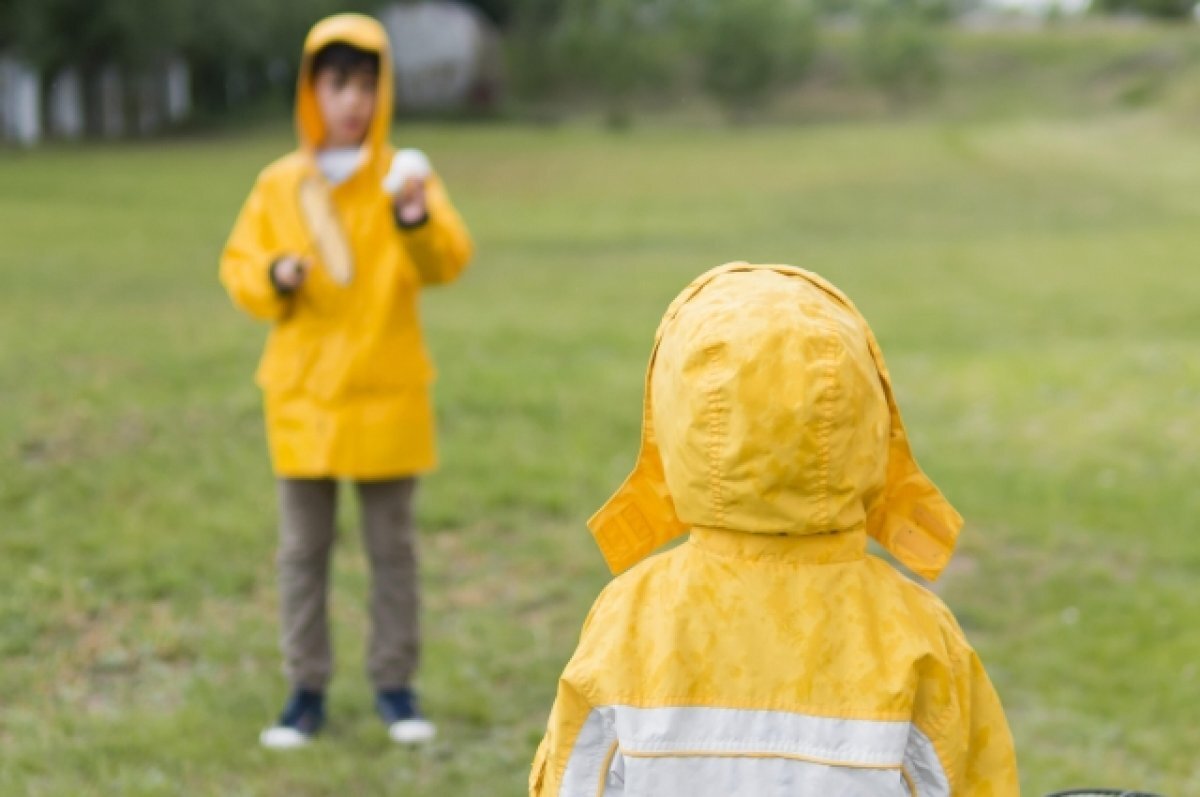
{"x": 737, "y": 51}
{"x": 233, "y": 47}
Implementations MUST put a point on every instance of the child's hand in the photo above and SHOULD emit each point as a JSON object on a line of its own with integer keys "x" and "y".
{"x": 405, "y": 183}
{"x": 410, "y": 203}
{"x": 288, "y": 273}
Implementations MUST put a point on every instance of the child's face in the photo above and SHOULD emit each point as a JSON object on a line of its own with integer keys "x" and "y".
{"x": 347, "y": 103}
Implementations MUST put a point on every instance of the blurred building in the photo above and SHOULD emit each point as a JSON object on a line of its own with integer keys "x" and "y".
{"x": 107, "y": 102}
{"x": 447, "y": 56}
{"x": 20, "y": 102}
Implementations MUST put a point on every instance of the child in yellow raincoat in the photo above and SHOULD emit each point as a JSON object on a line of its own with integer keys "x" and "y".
{"x": 345, "y": 374}
{"x": 770, "y": 655}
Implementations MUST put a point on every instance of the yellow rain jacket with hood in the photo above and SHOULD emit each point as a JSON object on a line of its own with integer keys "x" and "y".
{"x": 770, "y": 655}
{"x": 345, "y": 374}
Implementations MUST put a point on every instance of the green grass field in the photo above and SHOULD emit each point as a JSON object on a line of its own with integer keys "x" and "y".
{"x": 1032, "y": 284}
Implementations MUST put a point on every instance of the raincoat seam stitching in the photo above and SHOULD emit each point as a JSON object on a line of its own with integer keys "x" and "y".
{"x": 782, "y": 560}
{"x": 717, "y": 432}
{"x": 827, "y": 400}
{"x": 801, "y": 757}
{"x": 689, "y": 700}
{"x": 727, "y": 748}
{"x": 606, "y": 766}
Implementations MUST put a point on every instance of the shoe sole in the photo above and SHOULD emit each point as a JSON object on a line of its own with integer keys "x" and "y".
{"x": 412, "y": 732}
{"x": 281, "y": 738}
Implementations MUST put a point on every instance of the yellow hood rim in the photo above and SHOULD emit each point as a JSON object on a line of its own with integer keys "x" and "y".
{"x": 910, "y": 517}
{"x": 365, "y": 33}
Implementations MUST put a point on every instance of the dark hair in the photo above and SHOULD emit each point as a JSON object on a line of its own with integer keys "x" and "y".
{"x": 344, "y": 59}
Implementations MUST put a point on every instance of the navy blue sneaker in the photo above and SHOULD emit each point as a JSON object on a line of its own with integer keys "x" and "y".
{"x": 300, "y": 721}
{"x": 399, "y": 710}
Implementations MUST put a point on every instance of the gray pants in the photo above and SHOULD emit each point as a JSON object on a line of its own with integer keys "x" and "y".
{"x": 307, "y": 509}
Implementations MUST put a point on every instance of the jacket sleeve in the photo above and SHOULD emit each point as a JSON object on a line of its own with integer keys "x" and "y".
{"x": 246, "y": 262}
{"x": 568, "y": 723}
{"x": 989, "y": 762}
{"x": 966, "y": 733}
{"x": 441, "y": 247}
{"x": 577, "y": 756}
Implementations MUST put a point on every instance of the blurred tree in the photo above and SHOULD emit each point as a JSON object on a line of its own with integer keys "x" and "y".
{"x": 613, "y": 47}
{"x": 7, "y": 23}
{"x": 1163, "y": 9}
{"x": 234, "y": 47}
{"x": 930, "y": 9}
{"x": 227, "y": 41}
{"x": 899, "y": 50}
{"x": 748, "y": 48}
{"x": 129, "y": 33}
{"x": 498, "y": 11}
{"x": 240, "y": 49}
{"x": 132, "y": 37}
{"x": 531, "y": 53}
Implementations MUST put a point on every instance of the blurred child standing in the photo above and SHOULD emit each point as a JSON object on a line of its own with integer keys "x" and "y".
{"x": 345, "y": 375}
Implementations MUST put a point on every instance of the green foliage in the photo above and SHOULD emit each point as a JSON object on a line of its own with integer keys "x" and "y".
{"x": 1164, "y": 9}
{"x": 748, "y": 48}
{"x": 7, "y": 22}
{"x": 531, "y": 53}
{"x": 899, "y": 51}
{"x": 607, "y": 49}
{"x": 133, "y": 33}
{"x": 498, "y": 11}
{"x": 220, "y": 38}
{"x": 228, "y": 37}
{"x": 740, "y": 50}
{"x": 251, "y": 43}
{"x": 613, "y": 47}
{"x": 930, "y": 9}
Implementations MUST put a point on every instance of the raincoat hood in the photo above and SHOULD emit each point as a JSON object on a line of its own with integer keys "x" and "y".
{"x": 769, "y": 410}
{"x": 358, "y": 31}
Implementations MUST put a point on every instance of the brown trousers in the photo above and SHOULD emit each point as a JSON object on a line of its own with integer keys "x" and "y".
{"x": 307, "y": 509}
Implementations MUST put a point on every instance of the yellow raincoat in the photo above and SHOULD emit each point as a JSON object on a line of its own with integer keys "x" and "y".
{"x": 345, "y": 374}
{"x": 770, "y": 655}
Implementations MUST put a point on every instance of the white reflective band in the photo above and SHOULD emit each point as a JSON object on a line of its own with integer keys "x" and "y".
{"x": 691, "y": 752}
{"x": 924, "y": 767}
{"x": 724, "y": 730}
{"x": 754, "y": 777}
{"x": 590, "y": 758}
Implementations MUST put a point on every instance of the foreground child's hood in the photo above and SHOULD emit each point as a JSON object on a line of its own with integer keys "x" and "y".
{"x": 364, "y": 33}
{"x": 769, "y": 410}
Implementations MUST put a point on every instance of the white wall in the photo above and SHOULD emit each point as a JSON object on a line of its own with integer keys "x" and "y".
{"x": 66, "y": 105}
{"x": 143, "y": 103}
{"x": 20, "y": 102}
{"x": 437, "y": 49}
{"x": 179, "y": 90}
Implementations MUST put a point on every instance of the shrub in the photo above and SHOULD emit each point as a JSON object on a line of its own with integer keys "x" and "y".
{"x": 899, "y": 50}
{"x": 615, "y": 48}
{"x": 748, "y": 48}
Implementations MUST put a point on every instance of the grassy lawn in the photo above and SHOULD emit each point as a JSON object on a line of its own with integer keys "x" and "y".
{"x": 1032, "y": 284}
